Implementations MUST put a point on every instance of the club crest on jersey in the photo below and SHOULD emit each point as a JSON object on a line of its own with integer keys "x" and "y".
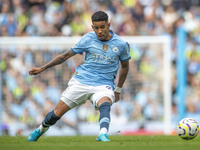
{"x": 105, "y": 47}
{"x": 115, "y": 49}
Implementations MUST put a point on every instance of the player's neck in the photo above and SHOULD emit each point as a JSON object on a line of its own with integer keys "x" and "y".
{"x": 108, "y": 37}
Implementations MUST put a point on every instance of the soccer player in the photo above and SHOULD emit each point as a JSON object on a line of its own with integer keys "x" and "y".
{"x": 94, "y": 80}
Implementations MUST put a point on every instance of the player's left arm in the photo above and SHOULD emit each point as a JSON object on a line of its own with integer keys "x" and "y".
{"x": 122, "y": 77}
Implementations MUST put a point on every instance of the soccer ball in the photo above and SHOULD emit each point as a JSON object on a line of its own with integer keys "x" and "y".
{"x": 187, "y": 128}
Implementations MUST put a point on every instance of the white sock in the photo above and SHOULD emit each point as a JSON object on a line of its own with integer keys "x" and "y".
{"x": 103, "y": 131}
{"x": 42, "y": 129}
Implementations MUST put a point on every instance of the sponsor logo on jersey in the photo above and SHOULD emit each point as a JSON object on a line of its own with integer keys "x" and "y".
{"x": 99, "y": 58}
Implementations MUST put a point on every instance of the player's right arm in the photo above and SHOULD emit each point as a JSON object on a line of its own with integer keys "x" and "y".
{"x": 56, "y": 61}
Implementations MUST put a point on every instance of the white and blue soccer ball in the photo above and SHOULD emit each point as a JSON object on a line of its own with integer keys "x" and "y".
{"x": 187, "y": 128}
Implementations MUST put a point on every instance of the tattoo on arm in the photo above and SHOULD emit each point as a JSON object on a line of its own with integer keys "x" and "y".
{"x": 58, "y": 60}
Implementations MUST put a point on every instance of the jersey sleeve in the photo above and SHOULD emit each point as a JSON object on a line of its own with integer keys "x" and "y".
{"x": 80, "y": 47}
{"x": 125, "y": 53}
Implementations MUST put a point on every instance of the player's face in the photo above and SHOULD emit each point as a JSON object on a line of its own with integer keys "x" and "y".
{"x": 101, "y": 28}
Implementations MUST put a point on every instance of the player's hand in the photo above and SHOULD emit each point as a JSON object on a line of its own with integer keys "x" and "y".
{"x": 35, "y": 71}
{"x": 117, "y": 97}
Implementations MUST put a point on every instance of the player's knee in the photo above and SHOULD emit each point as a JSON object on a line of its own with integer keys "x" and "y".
{"x": 104, "y": 100}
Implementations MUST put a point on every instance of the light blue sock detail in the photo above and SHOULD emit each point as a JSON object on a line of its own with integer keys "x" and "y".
{"x": 107, "y": 120}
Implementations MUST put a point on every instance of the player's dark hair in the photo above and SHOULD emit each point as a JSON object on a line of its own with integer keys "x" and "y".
{"x": 99, "y": 16}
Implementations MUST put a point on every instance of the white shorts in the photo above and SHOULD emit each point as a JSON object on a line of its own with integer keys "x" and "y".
{"x": 77, "y": 93}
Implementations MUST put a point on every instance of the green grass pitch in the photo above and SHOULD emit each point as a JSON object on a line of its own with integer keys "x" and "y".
{"x": 89, "y": 143}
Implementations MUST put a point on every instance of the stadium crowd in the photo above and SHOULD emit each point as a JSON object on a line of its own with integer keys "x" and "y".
{"x": 27, "y": 99}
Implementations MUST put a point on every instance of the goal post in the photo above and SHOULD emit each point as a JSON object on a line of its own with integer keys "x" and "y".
{"x": 166, "y": 41}
{"x": 162, "y": 45}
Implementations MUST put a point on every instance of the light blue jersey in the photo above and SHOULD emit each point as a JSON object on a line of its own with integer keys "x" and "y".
{"x": 101, "y": 59}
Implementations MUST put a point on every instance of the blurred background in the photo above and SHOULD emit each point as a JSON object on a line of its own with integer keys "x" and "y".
{"x": 25, "y": 100}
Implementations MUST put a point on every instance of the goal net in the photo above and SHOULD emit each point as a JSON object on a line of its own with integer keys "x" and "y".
{"x": 145, "y": 105}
